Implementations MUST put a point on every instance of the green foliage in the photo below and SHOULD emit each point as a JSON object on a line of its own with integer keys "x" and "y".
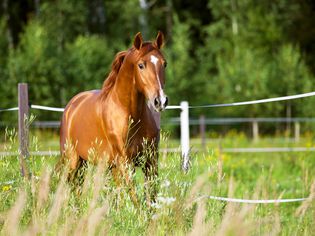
{"x": 88, "y": 61}
{"x": 64, "y": 20}
{"x": 4, "y": 47}
{"x": 37, "y": 63}
{"x": 180, "y": 66}
{"x": 292, "y": 72}
{"x": 291, "y": 77}
{"x": 248, "y": 58}
{"x": 126, "y": 16}
{"x": 223, "y": 51}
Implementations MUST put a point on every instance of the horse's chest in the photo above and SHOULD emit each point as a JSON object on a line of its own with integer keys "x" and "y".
{"x": 131, "y": 136}
{"x": 144, "y": 141}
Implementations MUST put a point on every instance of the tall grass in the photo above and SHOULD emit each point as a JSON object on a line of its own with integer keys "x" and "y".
{"x": 50, "y": 205}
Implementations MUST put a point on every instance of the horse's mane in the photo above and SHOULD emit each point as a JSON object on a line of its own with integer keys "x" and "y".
{"x": 116, "y": 64}
{"x": 111, "y": 78}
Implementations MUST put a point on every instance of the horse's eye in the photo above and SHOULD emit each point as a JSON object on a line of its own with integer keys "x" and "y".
{"x": 165, "y": 64}
{"x": 141, "y": 66}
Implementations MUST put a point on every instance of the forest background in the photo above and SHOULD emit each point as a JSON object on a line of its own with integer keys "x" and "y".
{"x": 218, "y": 51}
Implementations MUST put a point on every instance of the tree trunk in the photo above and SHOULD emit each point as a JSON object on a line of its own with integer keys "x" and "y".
{"x": 7, "y": 20}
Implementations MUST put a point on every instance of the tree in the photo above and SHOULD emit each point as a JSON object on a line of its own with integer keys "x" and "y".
{"x": 88, "y": 60}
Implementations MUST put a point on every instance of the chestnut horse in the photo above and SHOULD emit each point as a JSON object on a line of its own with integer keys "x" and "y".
{"x": 116, "y": 120}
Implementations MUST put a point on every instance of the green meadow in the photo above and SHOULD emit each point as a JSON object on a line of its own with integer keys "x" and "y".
{"x": 50, "y": 205}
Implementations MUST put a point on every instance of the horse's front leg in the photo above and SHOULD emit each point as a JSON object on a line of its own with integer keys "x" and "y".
{"x": 150, "y": 170}
{"x": 122, "y": 175}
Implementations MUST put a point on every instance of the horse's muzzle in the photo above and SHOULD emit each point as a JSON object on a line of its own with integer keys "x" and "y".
{"x": 160, "y": 103}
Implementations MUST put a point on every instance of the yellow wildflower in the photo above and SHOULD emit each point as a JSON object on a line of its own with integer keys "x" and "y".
{"x": 6, "y": 188}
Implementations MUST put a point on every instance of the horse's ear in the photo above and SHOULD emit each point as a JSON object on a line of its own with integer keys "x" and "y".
{"x": 137, "y": 42}
{"x": 159, "y": 41}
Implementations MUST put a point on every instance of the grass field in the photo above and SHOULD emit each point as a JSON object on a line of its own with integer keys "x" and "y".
{"x": 48, "y": 205}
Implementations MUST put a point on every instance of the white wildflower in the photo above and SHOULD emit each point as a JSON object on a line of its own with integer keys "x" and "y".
{"x": 156, "y": 205}
{"x": 166, "y": 200}
{"x": 166, "y": 184}
{"x": 155, "y": 217}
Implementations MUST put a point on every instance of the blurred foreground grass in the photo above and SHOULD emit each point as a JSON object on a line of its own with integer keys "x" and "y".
{"x": 49, "y": 205}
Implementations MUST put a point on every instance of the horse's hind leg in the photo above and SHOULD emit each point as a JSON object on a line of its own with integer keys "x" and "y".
{"x": 75, "y": 163}
{"x": 70, "y": 160}
{"x": 76, "y": 176}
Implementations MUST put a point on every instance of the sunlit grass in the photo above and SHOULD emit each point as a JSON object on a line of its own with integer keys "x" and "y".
{"x": 49, "y": 205}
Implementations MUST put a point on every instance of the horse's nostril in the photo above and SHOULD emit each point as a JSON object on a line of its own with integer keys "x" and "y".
{"x": 166, "y": 102}
{"x": 156, "y": 102}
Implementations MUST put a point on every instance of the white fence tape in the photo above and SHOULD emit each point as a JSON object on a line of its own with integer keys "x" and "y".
{"x": 47, "y": 108}
{"x": 303, "y": 95}
{"x": 268, "y": 149}
{"x": 10, "y": 109}
{"x": 172, "y": 107}
{"x": 225, "y": 199}
{"x": 284, "y": 98}
{"x": 291, "y": 97}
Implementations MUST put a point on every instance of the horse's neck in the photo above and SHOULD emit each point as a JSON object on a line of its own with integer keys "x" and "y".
{"x": 127, "y": 94}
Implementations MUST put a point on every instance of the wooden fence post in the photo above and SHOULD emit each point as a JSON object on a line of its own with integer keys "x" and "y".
{"x": 23, "y": 127}
{"x": 255, "y": 131}
{"x": 202, "y": 130}
{"x": 296, "y": 131}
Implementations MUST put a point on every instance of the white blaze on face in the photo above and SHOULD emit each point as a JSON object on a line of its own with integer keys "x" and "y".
{"x": 161, "y": 95}
{"x": 155, "y": 60}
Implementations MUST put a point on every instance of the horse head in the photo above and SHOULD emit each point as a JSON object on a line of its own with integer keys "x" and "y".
{"x": 149, "y": 70}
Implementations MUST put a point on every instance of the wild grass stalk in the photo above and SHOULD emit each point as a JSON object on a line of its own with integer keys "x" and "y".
{"x": 13, "y": 216}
